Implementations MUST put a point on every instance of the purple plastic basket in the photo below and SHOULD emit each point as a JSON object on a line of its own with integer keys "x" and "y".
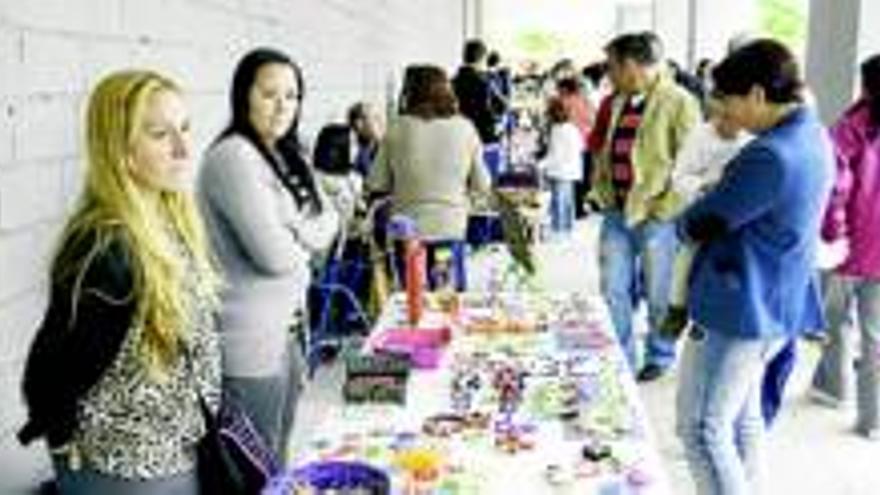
{"x": 332, "y": 475}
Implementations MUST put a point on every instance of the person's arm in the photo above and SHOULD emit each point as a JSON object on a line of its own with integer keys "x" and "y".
{"x": 746, "y": 191}
{"x": 80, "y": 336}
{"x": 848, "y": 145}
{"x": 688, "y": 175}
{"x": 479, "y": 183}
{"x": 686, "y": 119}
{"x": 317, "y": 231}
{"x": 600, "y": 192}
{"x": 379, "y": 180}
{"x": 233, "y": 184}
{"x": 550, "y": 161}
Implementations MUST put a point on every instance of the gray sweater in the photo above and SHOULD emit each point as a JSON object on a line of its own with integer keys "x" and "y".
{"x": 432, "y": 168}
{"x": 264, "y": 243}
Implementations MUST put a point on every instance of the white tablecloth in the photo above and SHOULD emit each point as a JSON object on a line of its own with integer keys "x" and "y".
{"x": 525, "y": 472}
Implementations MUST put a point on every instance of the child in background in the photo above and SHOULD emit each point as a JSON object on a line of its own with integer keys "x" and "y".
{"x": 563, "y": 164}
{"x": 700, "y": 164}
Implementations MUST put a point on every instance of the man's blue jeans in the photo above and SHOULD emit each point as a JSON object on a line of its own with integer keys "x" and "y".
{"x": 635, "y": 262}
{"x": 719, "y": 410}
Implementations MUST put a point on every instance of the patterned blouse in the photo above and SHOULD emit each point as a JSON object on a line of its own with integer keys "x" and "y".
{"x": 135, "y": 424}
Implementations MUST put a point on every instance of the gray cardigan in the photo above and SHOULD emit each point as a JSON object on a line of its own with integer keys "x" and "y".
{"x": 432, "y": 168}
{"x": 263, "y": 242}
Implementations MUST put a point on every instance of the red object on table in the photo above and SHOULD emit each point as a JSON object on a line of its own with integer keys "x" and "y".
{"x": 416, "y": 261}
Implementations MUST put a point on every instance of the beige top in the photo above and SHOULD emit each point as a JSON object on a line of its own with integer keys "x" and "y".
{"x": 433, "y": 169}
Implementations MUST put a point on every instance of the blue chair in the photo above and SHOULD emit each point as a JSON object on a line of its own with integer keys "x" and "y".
{"x": 336, "y": 310}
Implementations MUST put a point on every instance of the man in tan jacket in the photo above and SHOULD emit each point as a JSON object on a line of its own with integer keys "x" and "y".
{"x": 650, "y": 117}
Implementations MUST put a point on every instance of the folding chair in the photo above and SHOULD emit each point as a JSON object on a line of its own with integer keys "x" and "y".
{"x": 338, "y": 311}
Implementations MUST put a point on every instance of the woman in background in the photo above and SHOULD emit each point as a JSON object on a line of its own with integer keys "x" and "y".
{"x": 853, "y": 220}
{"x": 430, "y": 162}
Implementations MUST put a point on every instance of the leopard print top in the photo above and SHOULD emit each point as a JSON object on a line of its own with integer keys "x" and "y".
{"x": 136, "y": 425}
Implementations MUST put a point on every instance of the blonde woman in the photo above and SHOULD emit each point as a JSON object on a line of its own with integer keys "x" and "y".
{"x": 107, "y": 381}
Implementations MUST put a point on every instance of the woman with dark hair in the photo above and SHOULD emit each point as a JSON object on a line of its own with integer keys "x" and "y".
{"x": 853, "y": 220}
{"x": 266, "y": 216}
{"x": 430, "y": 160}
{"x": 753, "y": 284}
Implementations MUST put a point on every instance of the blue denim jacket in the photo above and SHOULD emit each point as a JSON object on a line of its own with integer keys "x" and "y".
{"x": 757, "y": 278}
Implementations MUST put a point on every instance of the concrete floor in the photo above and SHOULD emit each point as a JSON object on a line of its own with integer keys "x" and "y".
{"x": 810, "y": 450}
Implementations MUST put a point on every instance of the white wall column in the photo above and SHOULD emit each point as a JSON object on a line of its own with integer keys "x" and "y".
{"x": 474, "y": 20}
{"x": 832, "y": 53}
{"x": 671, "y": 23}
{"x": 716, "y": 22}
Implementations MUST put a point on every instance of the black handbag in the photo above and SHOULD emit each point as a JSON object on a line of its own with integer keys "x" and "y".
{"x": 232, "y": 458}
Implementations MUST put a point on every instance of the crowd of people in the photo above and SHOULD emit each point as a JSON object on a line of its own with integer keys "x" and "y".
{"x": 174, "y": 284}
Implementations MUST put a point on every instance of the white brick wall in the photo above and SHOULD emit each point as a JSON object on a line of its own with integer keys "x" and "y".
{"x": 5, "y": 129}
{"x": 53, "y": 51}
{"x": 45, "y": 126}
{"x": 23, "y": 262}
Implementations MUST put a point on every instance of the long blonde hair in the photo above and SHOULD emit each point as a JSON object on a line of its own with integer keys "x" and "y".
{"x": 113, "y": 206}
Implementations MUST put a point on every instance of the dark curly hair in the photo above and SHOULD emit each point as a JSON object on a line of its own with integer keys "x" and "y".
{"x": 765, "y": 63}
{"x": 870, "y": 72}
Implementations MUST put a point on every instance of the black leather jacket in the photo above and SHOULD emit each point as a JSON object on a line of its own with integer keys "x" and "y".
{"x": 77, "y": 340}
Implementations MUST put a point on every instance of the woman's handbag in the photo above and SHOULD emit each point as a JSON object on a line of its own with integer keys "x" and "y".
{"x": 232, "y": 457}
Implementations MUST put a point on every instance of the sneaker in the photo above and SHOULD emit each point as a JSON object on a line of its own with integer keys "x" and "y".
{"x": 650, "y": 372}
{"x": 823, "y": 398}
{"x": 872, "y": 434}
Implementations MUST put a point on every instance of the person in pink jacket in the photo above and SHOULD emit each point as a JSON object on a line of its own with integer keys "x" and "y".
{"x": 853, "y": 220}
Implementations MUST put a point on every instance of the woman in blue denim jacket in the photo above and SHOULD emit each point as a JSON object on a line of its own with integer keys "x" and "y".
{"x": 753, "y": 285}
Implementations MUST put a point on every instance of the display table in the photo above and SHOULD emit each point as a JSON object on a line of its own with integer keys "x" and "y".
{"x": 530, "y": 396}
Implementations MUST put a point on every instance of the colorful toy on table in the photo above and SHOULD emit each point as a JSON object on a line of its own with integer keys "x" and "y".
{"x": 498, "y": 325}
{"x": 543, "y": 365}
{"x": 569, "y": 401}
{"x": 573, "y": 335}
{"x": 447, "y": 302}
{"x": 509, "y": 385}
{"x": 375, "y": 378}
{"x": 422, "y": 468}
{"x": 466, "y": 383}
{"x": 447, "y": 425}
{"x": 511, "y": 437}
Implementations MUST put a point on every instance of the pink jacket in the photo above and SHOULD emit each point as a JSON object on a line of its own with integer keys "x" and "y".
{"x": 854, "y": 209}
